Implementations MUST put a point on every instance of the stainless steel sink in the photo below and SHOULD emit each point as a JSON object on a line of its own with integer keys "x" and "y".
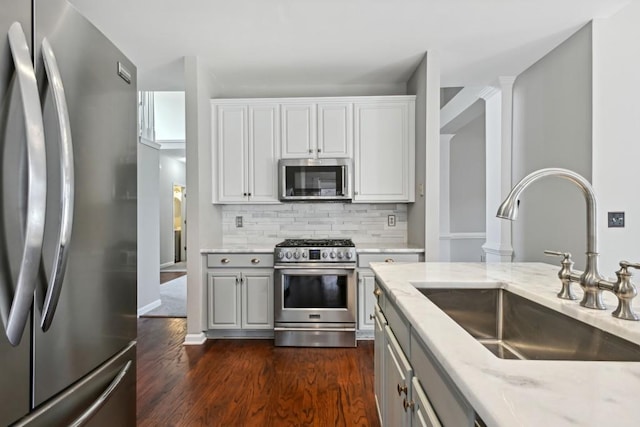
{"x": 513, "y": 327}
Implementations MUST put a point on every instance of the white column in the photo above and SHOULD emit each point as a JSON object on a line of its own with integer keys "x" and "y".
{"x": 445, "y": 206}
{"x": 499, "y": 120}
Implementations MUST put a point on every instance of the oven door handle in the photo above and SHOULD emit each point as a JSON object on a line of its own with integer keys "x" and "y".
{"x": 316, "y": 267}
{"x": 280, "y": 329}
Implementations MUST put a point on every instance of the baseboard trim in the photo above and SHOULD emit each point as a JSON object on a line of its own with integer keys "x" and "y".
{"x": 147, "y": 308}
{"x": 195, "y": 339}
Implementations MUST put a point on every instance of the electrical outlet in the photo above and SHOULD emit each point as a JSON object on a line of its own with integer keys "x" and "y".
{"x": 616, "y": 220}
{"x": 238, "y": 222}
{"x": 391, "y": 220}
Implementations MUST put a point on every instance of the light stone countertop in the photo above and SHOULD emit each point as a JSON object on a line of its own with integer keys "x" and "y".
{"x": 237, "y": 250}
{"x": 375, "y": 248}
{"x": 519, "y": 392}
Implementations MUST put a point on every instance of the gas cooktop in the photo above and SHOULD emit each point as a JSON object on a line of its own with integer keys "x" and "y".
{"x": 315, "y": 251}
{"x": 316, "y": 243}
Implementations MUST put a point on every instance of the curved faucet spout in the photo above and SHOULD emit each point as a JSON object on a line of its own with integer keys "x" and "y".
{"x": 590, "y": 278}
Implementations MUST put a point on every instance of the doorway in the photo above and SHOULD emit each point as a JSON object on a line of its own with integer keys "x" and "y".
{"x": 179, "y": 224}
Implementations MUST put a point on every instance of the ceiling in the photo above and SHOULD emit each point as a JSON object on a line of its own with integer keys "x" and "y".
{"x": 337, "y": 42}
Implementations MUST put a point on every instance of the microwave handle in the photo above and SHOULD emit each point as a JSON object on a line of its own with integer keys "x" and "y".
{"x": 344, "y": 182}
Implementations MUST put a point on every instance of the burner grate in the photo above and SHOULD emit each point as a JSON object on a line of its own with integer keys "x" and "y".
{"x": 316, "y": 243}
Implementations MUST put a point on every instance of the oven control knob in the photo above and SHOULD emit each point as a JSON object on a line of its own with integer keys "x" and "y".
{"x": 340, "y": 255}
{"x": 324, "y": 254}
{"x": 288, "y": 255}
{"x": 348, "y": 255}
{"x": 304, "y": 254}
{"x": 280, "y": 255}
{"x": 332, "y": 255}
{"x": 296, "y": 255}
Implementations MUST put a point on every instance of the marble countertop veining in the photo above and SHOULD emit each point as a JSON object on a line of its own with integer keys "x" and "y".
{"x": 519, "y": 392}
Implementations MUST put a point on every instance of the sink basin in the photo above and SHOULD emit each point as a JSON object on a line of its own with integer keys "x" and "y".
{"x": 513, "y": 327}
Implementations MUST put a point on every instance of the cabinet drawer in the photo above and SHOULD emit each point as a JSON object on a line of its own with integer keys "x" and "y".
{"x": 399, "y": 326}
{"x": 365, "y": 259}
{"x": 239, "y": 260}
{"x": 450, "y": 406}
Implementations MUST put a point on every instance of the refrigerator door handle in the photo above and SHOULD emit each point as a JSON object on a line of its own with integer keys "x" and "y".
{"x": 102, "y": 399}
{"x": 18, "y": 315}
{"x": 67, "y": 186}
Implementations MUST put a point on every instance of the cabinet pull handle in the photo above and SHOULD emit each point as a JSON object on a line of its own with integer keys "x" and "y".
{"x": 407, "y": 405}
{"x": 402, "y": 389}
{"x": 225, "y": 260}
{"x": 389, "y": 260}
{"x": 377, "y": 292}
{"x": 255, "y": 261}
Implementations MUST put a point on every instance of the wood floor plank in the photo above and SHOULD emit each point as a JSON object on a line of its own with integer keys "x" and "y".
{"x": 249, "y": 382}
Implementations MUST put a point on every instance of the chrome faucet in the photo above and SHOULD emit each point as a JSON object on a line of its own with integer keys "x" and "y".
{"x": 590, "y": 280}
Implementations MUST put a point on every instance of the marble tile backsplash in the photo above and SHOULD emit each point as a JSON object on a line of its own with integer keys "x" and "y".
{"x": 266, "y": 225}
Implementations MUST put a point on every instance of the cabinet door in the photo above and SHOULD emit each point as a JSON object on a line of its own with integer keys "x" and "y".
{"x": 229, "y": 127}
{"x": 257, "y": 300}
{"x": 224, "y": 300}
{"x": 298, "y": 130}
{"x": 422, "y": 414}
{"x": 384, "y": 160}
{"x": 366, "y": 300}
{"x": 378, "y": 363}
{"x": 264, "y": 144}
{"x": 397, "y": 382}
{"x": 335, "y": 130}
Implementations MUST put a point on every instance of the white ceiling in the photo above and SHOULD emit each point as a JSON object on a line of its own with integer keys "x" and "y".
{"x": 337, "y": 42}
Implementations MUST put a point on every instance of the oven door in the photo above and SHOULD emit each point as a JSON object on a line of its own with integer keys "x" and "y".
{"x": 315, "y": 295}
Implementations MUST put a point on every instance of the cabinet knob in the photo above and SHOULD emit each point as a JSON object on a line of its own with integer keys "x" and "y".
{"x": 389, "y": 260}
{"x": 402, "y": 389}
{"x": 244, "y": 194}
{"x": 225, "y": 260}
{"x": 371, "y": 317}
{"x": 407, "y": 405}
{"x": 310, "y": 151}
{"x": 249, "y": 194}
{"x": 377, "y": 292}
{"x": 355, "y": 193}
{"x": 255, "y": 261}
{"x": 319, "y": 150}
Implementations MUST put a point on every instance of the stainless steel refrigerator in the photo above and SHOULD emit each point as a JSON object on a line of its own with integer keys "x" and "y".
{"x": 67, "y": 220}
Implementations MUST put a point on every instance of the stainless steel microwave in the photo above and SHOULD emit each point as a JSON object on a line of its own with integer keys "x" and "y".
{"x": 314, "y": 180}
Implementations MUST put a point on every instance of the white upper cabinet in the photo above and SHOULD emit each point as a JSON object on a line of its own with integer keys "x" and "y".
{"x": 245, "y": 150}
{"x": 335, "y": 130}
{"x": 316, "y": 129}
{"x": 384, "y": 150}
{"x": 298, "y": 130}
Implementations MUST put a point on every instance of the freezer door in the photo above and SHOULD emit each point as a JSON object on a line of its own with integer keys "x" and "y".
{"x": 95, "y": 314}
{"x": 14, "y": 361}
{"x": 104, "y": 398}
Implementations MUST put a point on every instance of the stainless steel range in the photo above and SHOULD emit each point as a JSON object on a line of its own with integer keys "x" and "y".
{"x": 315, "y": 293}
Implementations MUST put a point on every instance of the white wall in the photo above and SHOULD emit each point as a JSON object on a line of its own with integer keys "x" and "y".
{"x": 552, "y": 128}
{"x": 148, "y": 226}
{"x": 172, "y": 172}
{"x": 616, "y": 126}
{"x": 169, "y": 115}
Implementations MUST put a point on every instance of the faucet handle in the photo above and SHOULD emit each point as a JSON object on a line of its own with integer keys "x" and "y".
{"x": 566, "y": 255}
{"x": 626, "y": 265}
{"x": 625, "y": 291}
{"x": 564, "y": 275}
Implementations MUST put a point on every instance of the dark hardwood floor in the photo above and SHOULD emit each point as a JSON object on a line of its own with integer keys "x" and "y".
{"x": 166, "y": 276}
{"x": 249, "y": 382}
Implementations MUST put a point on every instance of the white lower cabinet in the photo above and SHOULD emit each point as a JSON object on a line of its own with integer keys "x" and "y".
{"x": 397, "y": 383}
{"x": 366, "y": 300}
{"x": 411, "y": 389}
{"x": 240, "y": 299}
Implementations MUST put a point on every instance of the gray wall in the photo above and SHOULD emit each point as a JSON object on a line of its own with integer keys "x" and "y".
{"x": 148, "y": 226}
{"x": 552, "y": 122}
{"x": 172, "y": 172}
{"x": 467, "y": 186}
{"x": 416, "y": 214}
